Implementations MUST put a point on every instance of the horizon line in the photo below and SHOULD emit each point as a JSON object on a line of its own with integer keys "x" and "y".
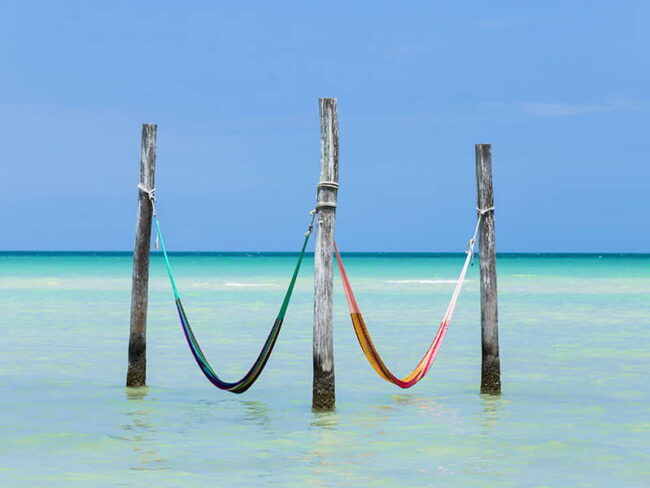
{"x": 311, "y": 253}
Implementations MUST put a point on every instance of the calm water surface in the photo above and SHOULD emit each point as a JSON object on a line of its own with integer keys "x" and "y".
{"x": 575, "y": 411}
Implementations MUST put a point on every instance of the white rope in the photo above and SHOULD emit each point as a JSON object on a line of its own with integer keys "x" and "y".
{"x": 469, "y": 248}
{"x": 329, "y": 184}
{"x": 313, "y": 213}
{"x": 320, "y": 205}
{"x": 482, "y": 212}
{"x": 151, "y": 193}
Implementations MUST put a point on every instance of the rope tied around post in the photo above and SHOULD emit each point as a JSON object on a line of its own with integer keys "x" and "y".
{"x": 330, "y": 185}
{"x": 469, "y": 248}
{"x": 151, "y": 193}
{"x": 320, "y": 205}
{"x": 483, "y": 211}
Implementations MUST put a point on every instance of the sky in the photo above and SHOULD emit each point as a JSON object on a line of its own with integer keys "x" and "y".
{"x": 560, "y": 89}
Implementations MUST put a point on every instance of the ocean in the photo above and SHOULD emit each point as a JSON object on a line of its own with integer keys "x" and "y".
{"x": 575, "y": 357}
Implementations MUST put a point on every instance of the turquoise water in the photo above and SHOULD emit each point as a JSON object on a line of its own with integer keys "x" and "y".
{"x": 575, "y": 410}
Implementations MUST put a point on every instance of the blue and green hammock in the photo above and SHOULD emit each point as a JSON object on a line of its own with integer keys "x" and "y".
{"x": 256, "y": 369}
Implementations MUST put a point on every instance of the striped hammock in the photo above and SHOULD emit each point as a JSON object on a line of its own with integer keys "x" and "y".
{"x": 256, "y": 369}
{"x": 368, "y": 347}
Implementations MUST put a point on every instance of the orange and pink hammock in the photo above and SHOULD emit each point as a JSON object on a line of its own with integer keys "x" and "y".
{"x": 368, "y": 346}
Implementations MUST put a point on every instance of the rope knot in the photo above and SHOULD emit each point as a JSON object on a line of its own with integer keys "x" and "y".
{"x": 310, "y": 229}
{"x": 151, "y": 193}
{"x": 469, "y": 249}
{"x": 483, "y": 211}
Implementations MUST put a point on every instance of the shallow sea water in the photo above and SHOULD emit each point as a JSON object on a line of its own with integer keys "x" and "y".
{"x": 575, "y": 408}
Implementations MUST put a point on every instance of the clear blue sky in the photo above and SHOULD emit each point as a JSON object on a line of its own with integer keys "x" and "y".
{"x": 559, "y": 88}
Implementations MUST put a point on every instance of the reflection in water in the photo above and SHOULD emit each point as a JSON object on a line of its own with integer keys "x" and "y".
{"x": 325, "y": 420}
{"x": 430, "y": 408}
{"x": 326, "y": 458}
{"x": 343, "y": 446}
{"x": 409, "y": 399}
{"x": 486, "y": 463}
{"x": 136, "y": 394}
{"x": 492, "y": 406}
{"x": 203, "y": 411}
{"x": 141, "y": 432}
{"x": 257, "y": 412}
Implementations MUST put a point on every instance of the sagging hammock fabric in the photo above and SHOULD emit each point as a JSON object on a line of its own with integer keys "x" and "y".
{"x": 367, "y": 345}
{"x": 256, "y": 369}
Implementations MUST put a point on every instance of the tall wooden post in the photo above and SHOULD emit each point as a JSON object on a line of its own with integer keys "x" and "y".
{"x": 490, "y": 365}
{"x": 137, "y": 371}
{"x": 323, "y": 393}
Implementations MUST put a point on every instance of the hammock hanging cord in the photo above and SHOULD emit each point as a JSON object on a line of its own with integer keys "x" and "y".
{"x": 256, "y": 369}
{"x": 363, "y": 336}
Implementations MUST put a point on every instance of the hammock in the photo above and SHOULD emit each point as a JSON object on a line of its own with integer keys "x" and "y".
{"x": 256, "y": 369}
{"x": 363, "y": 336}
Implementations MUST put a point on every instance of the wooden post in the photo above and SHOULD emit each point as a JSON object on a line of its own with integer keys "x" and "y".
{"x": 137, "y": 371}
{"x": 323, "y": 393}
{"x": 490, "y": 365}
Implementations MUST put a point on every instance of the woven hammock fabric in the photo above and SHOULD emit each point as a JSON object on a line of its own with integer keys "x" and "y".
{"x": 256, "y": 369}
{"x": 368, "y": 347}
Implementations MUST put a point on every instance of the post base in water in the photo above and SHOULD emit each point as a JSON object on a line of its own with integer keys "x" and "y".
{"x": 323, "y": 393}
{"x": 491, "y": 378}
{"x": 136, "y": 374}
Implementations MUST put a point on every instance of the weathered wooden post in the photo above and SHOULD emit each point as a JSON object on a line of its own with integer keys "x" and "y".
{"x": 490, "y": 365}
{"x": 137, "y": 371}
{"x": 323, "y": 393}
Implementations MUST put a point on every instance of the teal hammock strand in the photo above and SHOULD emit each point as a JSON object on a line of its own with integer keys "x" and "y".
{"x": 256, "y": 369}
